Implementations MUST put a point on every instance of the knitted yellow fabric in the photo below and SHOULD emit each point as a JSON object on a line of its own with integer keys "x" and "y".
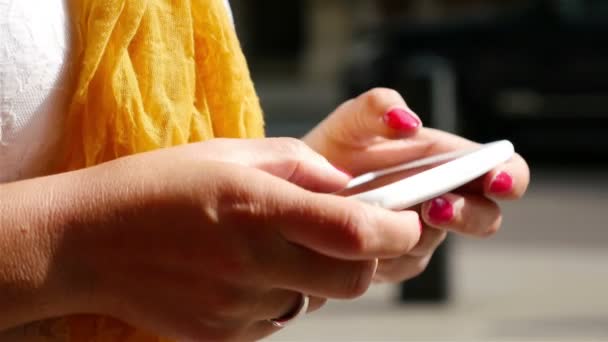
{"x": 151, "y": 74}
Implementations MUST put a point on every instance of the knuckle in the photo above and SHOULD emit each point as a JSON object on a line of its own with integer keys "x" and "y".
{"x": 378, "y": 98}
{"x": 353, "y": 223}
{"x": 358, "y": 281}
{"x": 236, "y": 205}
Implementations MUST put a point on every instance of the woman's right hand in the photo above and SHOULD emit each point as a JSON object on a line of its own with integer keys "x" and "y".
{"x": 209, "y": 241}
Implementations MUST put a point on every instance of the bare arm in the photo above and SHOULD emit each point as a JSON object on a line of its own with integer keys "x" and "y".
{"x": 33, "y": 216}
{"x": 202, "y": 242}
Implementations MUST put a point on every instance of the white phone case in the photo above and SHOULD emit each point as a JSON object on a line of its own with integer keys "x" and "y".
{"x": 465, "y": 167}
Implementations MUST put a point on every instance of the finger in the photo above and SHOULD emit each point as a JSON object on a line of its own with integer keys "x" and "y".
{"x": 301, "y": 270}
{"x": 509, "y": 181}
{"x": 431, "y": 239}
{"x": 401, "y": 269}
{"x": 346, "y": 229}
{"x": 469, "y": 214}
{"x": 331, "y": 225}
{"x": 412, "y": 264}
{"x": 282, "y": 303}
{"x": 294, "y": 161}
{"x": 377, "y": 113}
{"x": 286, "y": 158}
{"x": 380, "y": 112}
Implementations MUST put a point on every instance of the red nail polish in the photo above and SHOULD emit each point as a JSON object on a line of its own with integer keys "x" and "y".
{"x": 502, "y": 183}
{"x": 441, "y": 211}
{"x": 402, "y": 120}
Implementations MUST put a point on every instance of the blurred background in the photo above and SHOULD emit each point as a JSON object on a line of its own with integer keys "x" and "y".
{"x": 534, "y": 72}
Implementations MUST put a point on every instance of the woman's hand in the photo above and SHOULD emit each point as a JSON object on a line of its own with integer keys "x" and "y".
{"x": 202, "y": 242}
{"x": 378, "y": 130}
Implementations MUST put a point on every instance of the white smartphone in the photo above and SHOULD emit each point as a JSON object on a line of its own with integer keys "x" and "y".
{"x": 407, "y": 185}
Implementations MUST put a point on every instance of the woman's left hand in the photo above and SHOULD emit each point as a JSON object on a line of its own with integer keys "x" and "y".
{"x": 378, "y": 130}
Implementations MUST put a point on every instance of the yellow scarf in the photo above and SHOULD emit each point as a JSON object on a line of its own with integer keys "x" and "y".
{"x": 151, "y": 74}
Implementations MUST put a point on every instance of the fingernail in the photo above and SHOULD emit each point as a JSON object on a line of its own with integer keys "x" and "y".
{"x": 402, "y": 120}
{"x": 441, "y": 211}
{"x": 502, "y": 183}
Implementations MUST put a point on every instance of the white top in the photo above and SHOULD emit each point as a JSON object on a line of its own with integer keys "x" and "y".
{"x": 34, "y": 37}
{"x": 34, "y": 85}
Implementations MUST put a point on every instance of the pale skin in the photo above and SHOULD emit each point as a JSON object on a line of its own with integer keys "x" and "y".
{"x": 208, "y": 241}
{"x": 355, "y": 139}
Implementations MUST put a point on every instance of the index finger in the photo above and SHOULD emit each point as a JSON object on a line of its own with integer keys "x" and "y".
{"x": 346, "y": 229}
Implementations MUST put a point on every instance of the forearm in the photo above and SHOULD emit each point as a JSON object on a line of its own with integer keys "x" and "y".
{"x": 33, "y": 217}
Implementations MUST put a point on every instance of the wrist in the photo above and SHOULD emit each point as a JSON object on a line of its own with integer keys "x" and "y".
{"x": 37, "y": 280}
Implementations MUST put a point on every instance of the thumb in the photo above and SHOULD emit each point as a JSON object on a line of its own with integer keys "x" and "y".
{"x": 377, "y": 113}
